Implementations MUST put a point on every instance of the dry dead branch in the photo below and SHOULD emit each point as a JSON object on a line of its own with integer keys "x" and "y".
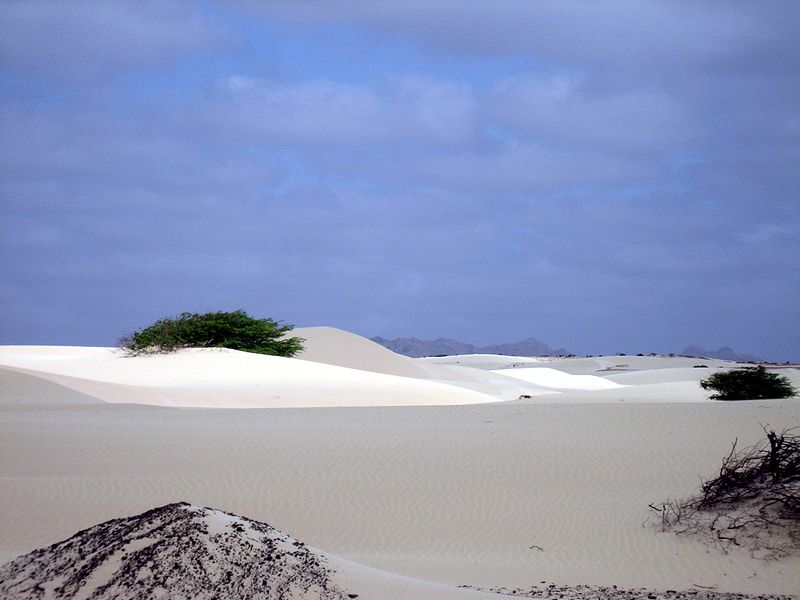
{"x": 753, "y": 502}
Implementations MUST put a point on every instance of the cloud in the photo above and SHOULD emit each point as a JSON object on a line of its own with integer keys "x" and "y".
{"x": 566, "y": 110}
{"x": 619, "y": 33}
{"x": 771, "y": 233}
{"x": 528, "y": 169}
{"x": 328, "y": 112}
{"x": 101, "y": 160}
{"x": 588, "y": 174}
{"x": 83, "y": 39}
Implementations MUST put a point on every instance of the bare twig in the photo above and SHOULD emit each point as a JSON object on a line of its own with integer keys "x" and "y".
{"x": 754, "y": 501}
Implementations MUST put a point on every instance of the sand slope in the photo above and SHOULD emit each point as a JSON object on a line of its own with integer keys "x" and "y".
{"x": 18, "y": 387}
{"x": 224, "y": 379}
{"x": 333, "y": 346}
{"x": 452, "y": 495}
{"x": 336, "y": 347}
{"x": 185, "y": 551}
{"x": 559, "y": 379}
{"x": 484, "y": 361}
{"x": 445, "y": 487}
{"x": 610, "y": 364}
{"x": 338, "y": 368}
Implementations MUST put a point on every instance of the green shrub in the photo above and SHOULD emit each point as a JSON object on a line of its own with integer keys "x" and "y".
{"x": 236, "y": 330}
{"x": 749, "y": 383}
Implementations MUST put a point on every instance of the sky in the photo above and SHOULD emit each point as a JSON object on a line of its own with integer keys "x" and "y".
{"x": 604, "y": 176}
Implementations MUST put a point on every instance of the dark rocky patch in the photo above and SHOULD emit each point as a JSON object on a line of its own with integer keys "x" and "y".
{"x": 596, "y": 592}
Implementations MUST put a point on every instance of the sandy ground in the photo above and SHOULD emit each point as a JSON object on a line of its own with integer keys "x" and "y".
{"x": 410, "y": 500}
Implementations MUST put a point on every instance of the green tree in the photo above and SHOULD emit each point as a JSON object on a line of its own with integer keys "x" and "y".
{"x": 236, "y": 330}
{"x": 749, "y": 383}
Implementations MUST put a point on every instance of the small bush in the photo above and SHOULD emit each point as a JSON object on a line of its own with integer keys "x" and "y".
{"x": 236, "y": 330}
{"x": 749, "y": 383}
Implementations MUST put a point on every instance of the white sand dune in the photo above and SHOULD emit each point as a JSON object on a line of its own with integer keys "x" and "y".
{"x": 671, "y": 392}
{"x": 341, "y": 369}
{"x": 333, "y": 346}
{"x": 443, "y": 488}
{"x": 17, "y": 387}
{"x": 693, "y": 375}
{"x": 336, "y": 347}
{"x": 662, "y": 375}
{"x": 598, "y": 365}
{"x": 559, "y": 379}
{"x": 488, "y": 362}
{"x": 221, "y": 378}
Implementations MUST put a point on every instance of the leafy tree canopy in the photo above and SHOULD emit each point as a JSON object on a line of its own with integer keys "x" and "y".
{"x": 749, "y": 383}
{"x": 236, "y": 330}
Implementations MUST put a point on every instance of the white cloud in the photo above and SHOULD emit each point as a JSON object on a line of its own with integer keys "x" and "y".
{"x": 771, "y": 233}
{"x": 521, "y": 168}
{"x": 84, "y": 39}
{"x": 566, "y": 110}
{"x": 634, "y": 34}
{"x": 324, "y": 112}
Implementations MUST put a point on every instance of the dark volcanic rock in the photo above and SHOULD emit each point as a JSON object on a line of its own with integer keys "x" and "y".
{"x": 175, "y": 551}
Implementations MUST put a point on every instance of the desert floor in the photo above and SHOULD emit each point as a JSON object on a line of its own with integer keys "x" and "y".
{"x": 554, "y": 488}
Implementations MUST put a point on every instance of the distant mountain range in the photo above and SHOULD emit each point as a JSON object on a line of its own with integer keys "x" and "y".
{"x": 724, "y": 353}
{"x": 443, "y": 346}
{"x": 416, "y": 348}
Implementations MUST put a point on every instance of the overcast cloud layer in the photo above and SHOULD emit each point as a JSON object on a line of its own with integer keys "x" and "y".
{"x": 607, "y": 177}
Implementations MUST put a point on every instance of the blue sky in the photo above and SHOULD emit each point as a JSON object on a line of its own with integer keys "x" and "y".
{"x": 607, "y": 177}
